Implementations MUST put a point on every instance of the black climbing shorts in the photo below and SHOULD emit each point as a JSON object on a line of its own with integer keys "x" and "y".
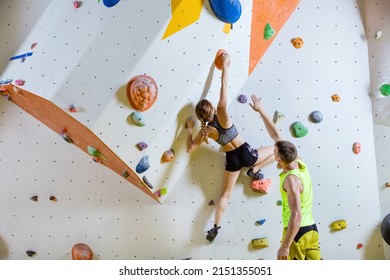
{"x": 243, "y": 156}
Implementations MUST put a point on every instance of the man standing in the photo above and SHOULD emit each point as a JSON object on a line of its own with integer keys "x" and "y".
{"x": 300, "y": 239}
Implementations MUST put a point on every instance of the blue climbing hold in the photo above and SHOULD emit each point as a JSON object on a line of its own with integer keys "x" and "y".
{"x": 143, "y": 165}
{"x": 110, "y": 3}
{"x": 228, "y": 11}
{"x": 260, "y": 222}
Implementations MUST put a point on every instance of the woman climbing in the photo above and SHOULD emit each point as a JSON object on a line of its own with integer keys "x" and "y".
{"x": 217, "y": 125}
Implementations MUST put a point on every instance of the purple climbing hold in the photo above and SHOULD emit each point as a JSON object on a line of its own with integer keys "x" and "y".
{"x": 142, "y": 146}
{"x": 242, "y": 98}
{"x": 143, "y": 165}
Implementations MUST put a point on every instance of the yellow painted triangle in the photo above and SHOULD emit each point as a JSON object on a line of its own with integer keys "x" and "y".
{"x": 184, "y": 13}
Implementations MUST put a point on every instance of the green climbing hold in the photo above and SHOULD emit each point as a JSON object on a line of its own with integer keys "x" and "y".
{"x": 385, "y": 89}
{"x": 268, "y": 31}
{"x": 299, "y": 130}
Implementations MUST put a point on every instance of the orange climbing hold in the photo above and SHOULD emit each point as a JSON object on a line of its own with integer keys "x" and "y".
{"x": 357, "y": 147}
{"x": 141, "y": 92}
{"x": 297, "y": 42}
{"x": 81, "y": 251}
{"x": 336, "y": 98}
{"x": 218, "y": 58}
{"x": 261, "y": 186}
{"x": 168, "y": 155}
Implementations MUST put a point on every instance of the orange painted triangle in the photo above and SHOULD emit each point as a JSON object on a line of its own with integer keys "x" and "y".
{"x": 274, "y": 12}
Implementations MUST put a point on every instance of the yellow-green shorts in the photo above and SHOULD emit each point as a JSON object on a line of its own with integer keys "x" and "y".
{"x": 305, "y": 245}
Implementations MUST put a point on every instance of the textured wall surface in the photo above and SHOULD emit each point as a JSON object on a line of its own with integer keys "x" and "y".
{"x": 97, "y": 207}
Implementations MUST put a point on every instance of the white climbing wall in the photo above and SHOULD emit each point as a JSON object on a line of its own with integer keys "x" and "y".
{"x": 97, "y": 50}
{"x": 377, "y": 20}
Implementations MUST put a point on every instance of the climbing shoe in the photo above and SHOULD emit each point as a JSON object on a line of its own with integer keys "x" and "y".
{"x": 212, "y": 233}
{"x": 254, "y": 175}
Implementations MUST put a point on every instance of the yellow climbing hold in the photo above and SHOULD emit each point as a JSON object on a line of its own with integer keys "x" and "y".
{"x": 260, "y": 243}
{"x": 338, "y": 225}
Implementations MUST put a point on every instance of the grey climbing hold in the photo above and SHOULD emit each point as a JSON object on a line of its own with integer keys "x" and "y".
{"x": 147, "y": 182}
{"x": 143, "y": 164}
{"x": 299, "y": 130}
{"x": 316, "y": 116}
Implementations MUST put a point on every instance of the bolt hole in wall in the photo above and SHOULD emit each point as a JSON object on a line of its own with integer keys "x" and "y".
{"x": 329, "y": 74}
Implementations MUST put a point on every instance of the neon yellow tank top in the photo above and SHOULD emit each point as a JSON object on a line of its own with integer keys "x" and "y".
{"x": 306, "y": 196}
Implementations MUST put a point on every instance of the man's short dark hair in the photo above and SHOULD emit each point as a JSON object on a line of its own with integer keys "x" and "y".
{"x": 287, "y": 151}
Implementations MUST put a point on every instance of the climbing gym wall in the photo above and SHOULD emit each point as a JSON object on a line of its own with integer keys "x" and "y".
{"x": 54, "y": 194}
{"x": 377, "y": 29}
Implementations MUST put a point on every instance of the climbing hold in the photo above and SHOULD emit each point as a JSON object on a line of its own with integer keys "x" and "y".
{"x": 218, "y": 59}
{"x": 138, "y": 118}
{"x": 359, "y": 246}
{"x": 72, "y": 108}
{"x": 125, "y": 174}
{"x": 242, "y": 98}
{"x": 65, "y": 136}
{"x": 299, "y": 130}
{"x": 268, "y": 31}
{"x": 53, "y": 198}
{"x": 297, "y": 42}
{"x": 77, "y": 4}
{"x": 378, "y": 34}
{"x": 316, "y": 116}
{"x": 147, "y": 182}
{"x": 33, "y": 45}
{"x": 30, "y": 253}
{"x": 143, "y": 164}
{"x": 7, "y": 81}
{"x": 34, "y": 198}
{"x": 19, "y": 82}
{"x": 96, "y": 159}
{"x": 168, "y": 155}
{"x": 338, "y": 225}
{"x": 157, "y": 193}
{"x": 211, "y": 203}
{"x": 278, "y": 116}
{"x": 81, "y": 251}
{"x": 142, "y": 146}
{"x": 387, "y": 184}
{"x": 95, "y": 153}
{"x": 357, "y": 147}
{"x": 260, "y": 222}
{"x": 335, "y": 98}
{"x": 110, "y": 3}
{"x": 260, "y": 243}
{"x": 279, "y": 203}
{"x": 141, "y": 92}
{"x": 160, "y": 192}
{"x": 261, "y": 185}
{"x": 385, "y": 89}
{"x": 228, "y": 11}
{"x": 385, "y": 228}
